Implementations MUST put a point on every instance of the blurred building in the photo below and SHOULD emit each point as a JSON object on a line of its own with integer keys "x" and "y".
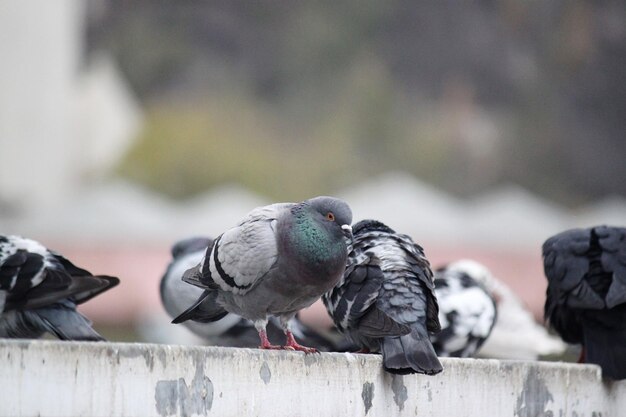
{"x": 62, "y": 120}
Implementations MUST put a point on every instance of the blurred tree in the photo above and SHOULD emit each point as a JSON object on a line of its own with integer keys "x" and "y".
{"x": 462, "y": 94}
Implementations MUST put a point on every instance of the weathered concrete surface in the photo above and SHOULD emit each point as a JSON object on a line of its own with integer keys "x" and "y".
{"x": 50, "y": 378}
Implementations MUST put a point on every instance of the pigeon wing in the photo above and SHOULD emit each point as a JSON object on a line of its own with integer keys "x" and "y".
{"x": 566, "y": 264}
{"x": 353, "y": 303}
{"x": 243, "y": 255}
{"x": 37, "y": 281}
{"x": 19, "y": 271}
{"x": 613, "y": 243}
{"x": 419, "y": 268}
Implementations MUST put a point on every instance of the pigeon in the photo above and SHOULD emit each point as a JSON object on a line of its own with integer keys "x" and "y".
{"x": 278, "y": 260}
{"x": 586, "y": 295}
{"x": 178, "y": 295}
{"x": 40, "y": 289}
{"x": 386, "y": 301}
{"x": 467, "y": 312}
{"x": 516, "y": 334}
{"x": 231, "y": 330}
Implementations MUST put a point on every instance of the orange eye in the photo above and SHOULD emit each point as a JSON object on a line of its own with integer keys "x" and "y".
{"x": 330, "y": 216}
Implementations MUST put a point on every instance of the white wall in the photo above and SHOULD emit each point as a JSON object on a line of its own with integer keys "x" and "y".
{"x": 112, "y": 379}
{"x": 40, "y": 44}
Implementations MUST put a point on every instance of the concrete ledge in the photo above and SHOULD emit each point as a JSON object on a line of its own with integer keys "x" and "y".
{"x": 49, "y": 378}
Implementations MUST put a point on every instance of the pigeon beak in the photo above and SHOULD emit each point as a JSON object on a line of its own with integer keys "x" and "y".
{"x": 347, "y": 230}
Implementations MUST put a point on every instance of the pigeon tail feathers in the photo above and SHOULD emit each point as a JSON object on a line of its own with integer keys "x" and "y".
{"x": 196, "y": 277}
{"x": 606, "y": 347}
{"x": 66, "y": 323}
{"x": 409, "y": 354}
{"x": 204, "y": 310}
{"x": 376, "y": 323}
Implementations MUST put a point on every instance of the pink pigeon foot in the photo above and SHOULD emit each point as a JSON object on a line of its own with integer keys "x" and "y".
{"x": 293, "y": 345}
{"x": 265, "y": 343}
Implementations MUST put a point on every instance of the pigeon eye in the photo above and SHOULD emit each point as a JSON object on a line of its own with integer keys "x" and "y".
{"x": 330, "y": 216}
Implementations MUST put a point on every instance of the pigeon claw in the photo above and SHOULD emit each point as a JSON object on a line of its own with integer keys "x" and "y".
{"x": 272, "y": 347}
{"x": 301, "y": 348}
{"x": 293, "y": 345}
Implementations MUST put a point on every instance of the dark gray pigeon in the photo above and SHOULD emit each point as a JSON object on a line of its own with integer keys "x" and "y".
{"x": 586, "y": 296}
{"x": 39, "y": 291}
{"x": 385, "y": 301}
{"x": 276, "y": 261}
{"x": 231, "y": 330}
{"x": 467, "y": 311}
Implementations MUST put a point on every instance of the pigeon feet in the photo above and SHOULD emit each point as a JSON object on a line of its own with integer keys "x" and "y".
{"x": 272, "y": 347}
{"x": 293, "y": 345}
{"x": 265, "y": 343}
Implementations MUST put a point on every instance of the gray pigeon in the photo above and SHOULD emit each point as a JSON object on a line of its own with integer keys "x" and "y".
{"x": 276, "y": 261}
{"x": 39, "y": 291}
{"x": 178, "y": 295}
{"x": 385, "y": 301}
{"x": 231, "y": 330}
{"x": 467, "y": 311}
{"x": 586, "y": 296}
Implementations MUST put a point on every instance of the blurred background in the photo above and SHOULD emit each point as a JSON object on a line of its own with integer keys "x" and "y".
{"x": 479, "y": 128}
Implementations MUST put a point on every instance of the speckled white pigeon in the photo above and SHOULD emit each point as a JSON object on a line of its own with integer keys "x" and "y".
{"x": 231, "y": 330}
{"x": 516, "y": 334}
{"x": 39, "y": 291}
{"x": 385, "y": 301}
{"x": 467, "y": 312}
{"x": 279, "y": 259}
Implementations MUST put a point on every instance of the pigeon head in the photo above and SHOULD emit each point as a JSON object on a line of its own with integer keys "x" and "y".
{"x": 477, "y": 271}
{"x": 334, "y": 213}
{"x": 319, "y": 232}
{"x": 190, "y": 245}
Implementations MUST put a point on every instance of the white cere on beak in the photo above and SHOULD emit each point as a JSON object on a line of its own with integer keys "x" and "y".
{"x": 347, "y": 227}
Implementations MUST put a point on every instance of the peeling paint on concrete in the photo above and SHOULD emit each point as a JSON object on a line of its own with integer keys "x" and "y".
{"x": 367, "y": 394}
{"x": 122, "y": 379}
{"x": 535, "y": 396}
{"x": 265, "y": 373}
{"x": 166, "y": 396}
{"x": 135, "y": 352}
{"x": 162, "y": 357}
{"x": 175, "y": 397}
{"x": 400, "y": 394}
